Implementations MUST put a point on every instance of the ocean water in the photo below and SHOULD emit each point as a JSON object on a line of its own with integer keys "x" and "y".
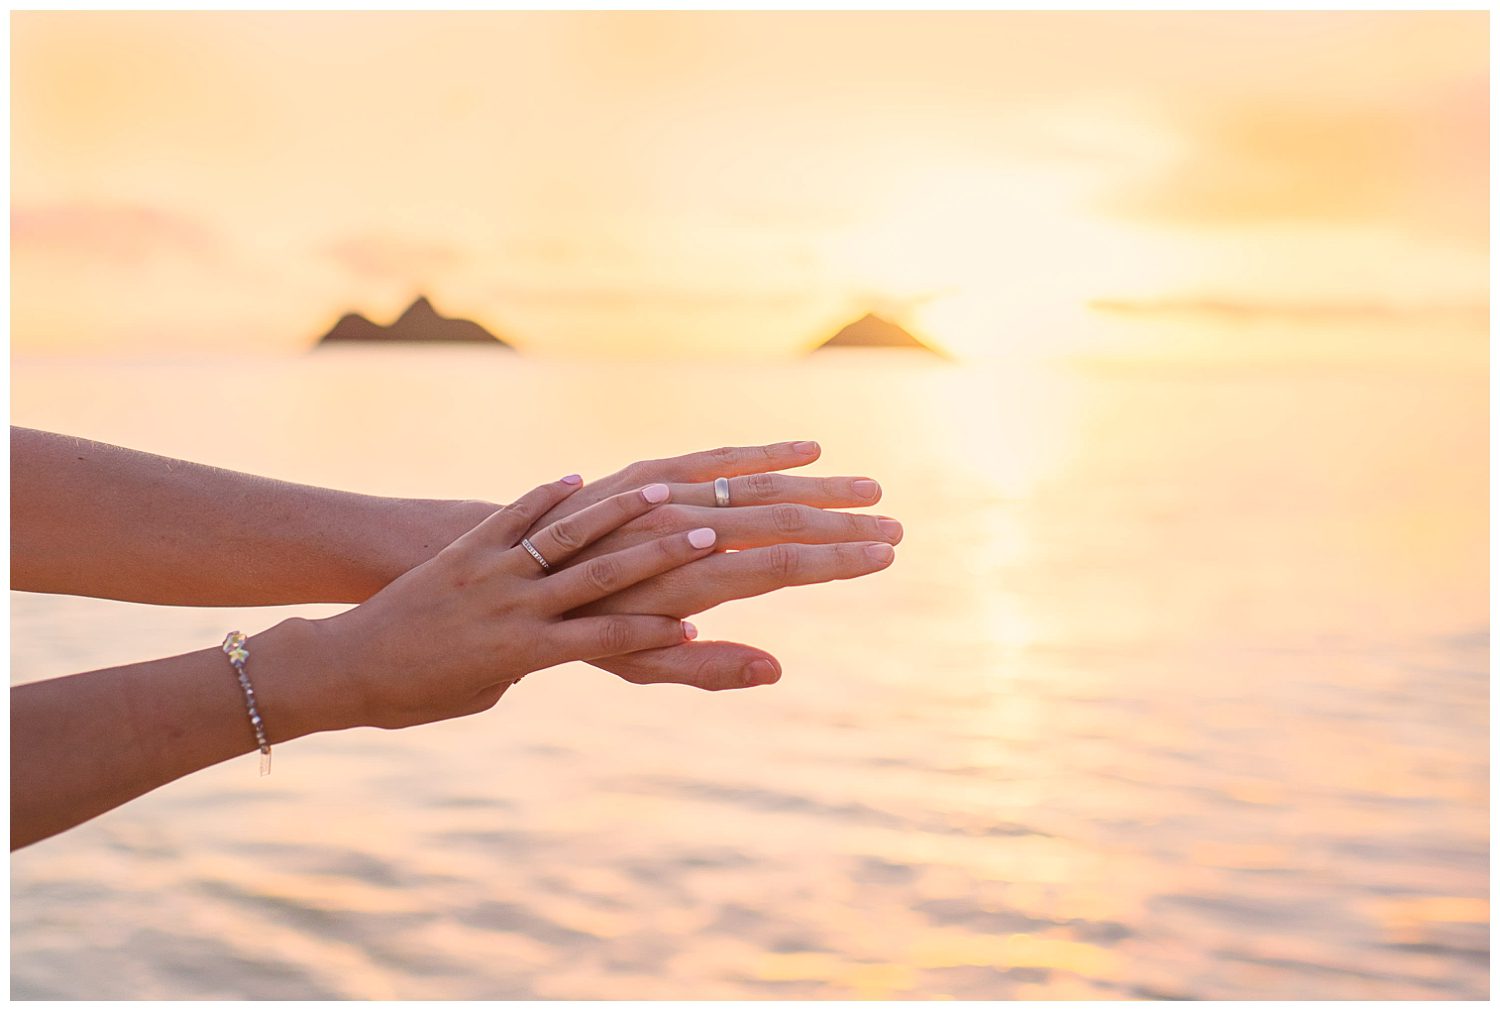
{"x": 1178, "y": 687}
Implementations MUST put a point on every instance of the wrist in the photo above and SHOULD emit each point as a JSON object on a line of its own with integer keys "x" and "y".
{"x": 300, "y": 680}
{"x": 412, "y": 531}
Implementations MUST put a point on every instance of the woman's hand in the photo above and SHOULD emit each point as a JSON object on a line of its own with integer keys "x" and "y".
{"x": 447, "y": 638}
{"x": 765, "y": 507}
{"x": 775, "y": 513}
{"x": 710, "y": 581}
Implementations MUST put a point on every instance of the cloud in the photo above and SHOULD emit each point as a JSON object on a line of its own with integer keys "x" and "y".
{"x": 1304, "y": 311}
{"x": 1420, "y": 165}
{"x": 118, "y": 233}
{"x": 395, "y": 258}
{"x": 605, "y": 296}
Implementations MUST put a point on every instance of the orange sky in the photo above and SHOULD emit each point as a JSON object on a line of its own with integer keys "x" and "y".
{"x": 732, "y": 182}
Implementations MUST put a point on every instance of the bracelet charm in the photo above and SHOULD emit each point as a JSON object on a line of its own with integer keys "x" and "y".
{"x": 234, "y": 648}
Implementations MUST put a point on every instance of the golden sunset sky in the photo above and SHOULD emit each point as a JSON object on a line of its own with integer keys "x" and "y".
{"x": 732, "y": 183}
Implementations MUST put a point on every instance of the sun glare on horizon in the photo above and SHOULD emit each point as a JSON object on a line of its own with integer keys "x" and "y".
{"x": 732, "y": 183}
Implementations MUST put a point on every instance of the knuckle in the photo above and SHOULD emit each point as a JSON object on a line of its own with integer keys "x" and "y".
{"x": 463, "y": 565}
{"x": 788, "y": 519}
{"x": 674, "y": 468}
{"x": 505, "y": 526}
{"x": 861, "y": 526}
{"x": 666, "y": 519}
{"x": 835, "y": 488}
{"x": 708, "y": 674}
{"x": 627, "y": 505}
{"x": 667, "y": 550}
{"x": 725, "y": 455}
{"x": 524, "y": 511}
{"x": 602, "y": 574}
{"x": 762, "y": 485}
{"x": 783, "y": 560}
{"x": 567, "y": 535}
{"x": 849, "y": 558}
{"x": 628, "y": 669}
{"x": 614, "y": 635}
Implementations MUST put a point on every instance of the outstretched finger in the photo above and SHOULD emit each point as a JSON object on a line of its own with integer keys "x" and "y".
{"x": 712, "y": 666}
{"x": 760, "y": 526}
{"x": 606, "y": 574}
{"x": 771, "y": 489}
{"x": 702, "y": 466}
{"x": 730, "y": 460}
{"x": 592, "y": 638}
{"x": 753, "y": 527}
{"x": 711, "y": 581}
{"x": 558, "y": 542}
{"x": 506, "y": 526}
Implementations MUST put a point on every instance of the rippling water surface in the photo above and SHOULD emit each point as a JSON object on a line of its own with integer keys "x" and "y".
{"x": 1178, "y": 687}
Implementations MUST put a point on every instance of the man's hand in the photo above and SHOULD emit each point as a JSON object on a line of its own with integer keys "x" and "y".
{"x": 781, "y": 532}
{"x": 709, "y": 582}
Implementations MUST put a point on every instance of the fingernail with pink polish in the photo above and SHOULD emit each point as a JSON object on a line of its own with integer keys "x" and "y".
{"x": 881, "y": 553}
{"x": 655, "y": 493}
{"x": 865, "y": 488}
{"x": 572, "y": 479}
{"x": 702, "y": 538}
{"x": 890, "y": 528}
{"x": 805, "y": 448}
{"x": 689, "y": 630}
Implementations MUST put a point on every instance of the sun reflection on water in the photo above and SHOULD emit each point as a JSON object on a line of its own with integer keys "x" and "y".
{"x": 1172, "y": 690}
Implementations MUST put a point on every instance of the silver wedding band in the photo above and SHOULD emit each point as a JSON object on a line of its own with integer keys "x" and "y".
{"x": 721, "y": 491}
{"x": 534, "y": 553}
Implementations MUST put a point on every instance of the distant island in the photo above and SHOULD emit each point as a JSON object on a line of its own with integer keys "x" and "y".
{"x": 871, "y": 331}
{"x": 420, "y": 323}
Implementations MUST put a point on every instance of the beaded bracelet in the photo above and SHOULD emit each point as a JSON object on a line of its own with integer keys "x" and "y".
{"x": 234, "y": 646}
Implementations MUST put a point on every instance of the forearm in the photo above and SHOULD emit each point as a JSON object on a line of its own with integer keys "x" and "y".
{"x": 97, "y": 520}
{"x": 84, "y": 744}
